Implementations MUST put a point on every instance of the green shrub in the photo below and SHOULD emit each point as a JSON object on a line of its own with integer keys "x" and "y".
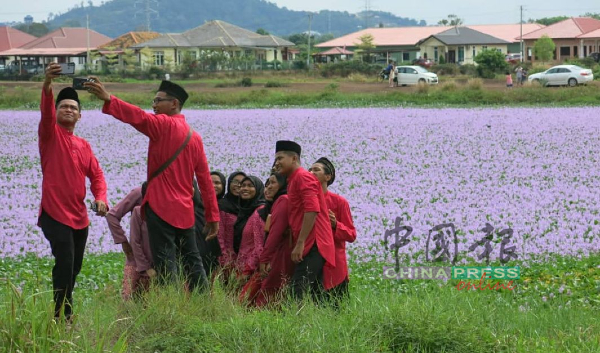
{"x": 445, "y": 69}
{"x": 468, "y": 69}
{"x": 448, "y": 87}
{"x": 272, "y": 84}
{"x": 474, "y": 84}
{"x": 489, "y": 63}
{"x": 246, "y": 82}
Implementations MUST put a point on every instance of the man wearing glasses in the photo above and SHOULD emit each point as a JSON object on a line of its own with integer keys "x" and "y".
{"x": 168, "y": 205}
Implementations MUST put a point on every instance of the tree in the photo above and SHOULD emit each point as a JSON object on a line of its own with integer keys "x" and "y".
{"x": 592, "y": 15}
{"x": 547, "y": 21}
{"x": 490, "y": 62}
{"x": 262, "y": 31}
{"x": 366, "y": 45}
{"x": 452, "y": 20}
{"x": 543, "y": 48}
{"x": 35, "y": 29}
{"x": 112, "y": 60}
{"x": 71, "y": 23}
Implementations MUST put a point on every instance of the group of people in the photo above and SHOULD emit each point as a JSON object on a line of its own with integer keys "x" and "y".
{"x": 259, "y": 238}
{"x": 390, "y": 71}
{"x": 521, "y": 77}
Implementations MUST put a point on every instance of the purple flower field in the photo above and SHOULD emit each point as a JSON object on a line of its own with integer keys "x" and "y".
{"x": 533, "y": 170}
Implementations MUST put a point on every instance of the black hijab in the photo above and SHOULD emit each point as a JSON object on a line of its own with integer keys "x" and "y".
{"x": 223, "y": 182}
{"x": 230, "y": 203}
{"x": 247, "y": 208}
{"x": 282, "y": 181}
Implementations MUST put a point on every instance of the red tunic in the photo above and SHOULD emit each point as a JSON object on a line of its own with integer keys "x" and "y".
{"x": 277, "y": 252}
{"x": 225, "y": 236}
{"x": 344, "y": 232}
{"x": 306, "y": 195}
{"x": 251, "y": 246}
{"x": 66, "y": 161}
{"x": 169, "y": 194}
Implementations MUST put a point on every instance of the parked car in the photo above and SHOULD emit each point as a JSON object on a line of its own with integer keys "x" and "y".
{"x": 561, "y": 75}
{"x": 513, "y": 58}
{"x": 595, "y": 56}
{"x": 413, "y": 75}
{"x": 426, "y": 63}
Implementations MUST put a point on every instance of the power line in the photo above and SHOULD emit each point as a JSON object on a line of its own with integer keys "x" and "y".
{"x": 146, "y": 10}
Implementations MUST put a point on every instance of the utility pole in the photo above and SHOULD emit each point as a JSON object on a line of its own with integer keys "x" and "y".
{"x": 521, "y": 38}
{"x": 310, "y": 16}
{"x": 87, "y": 59}
{"x": 146, "y": 10}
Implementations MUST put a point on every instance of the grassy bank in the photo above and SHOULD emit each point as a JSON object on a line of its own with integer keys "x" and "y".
{"x": 451, "y": 94}
{"x": 382, "y": 316}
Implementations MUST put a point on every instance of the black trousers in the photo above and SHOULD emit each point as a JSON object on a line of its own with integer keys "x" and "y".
{"x": 308, "y": 276}
{"x": 68, "y": 247}
{"x": 209, "y": 251}
{"x": 166, "y": 243}
{"x": 338, "y": 294}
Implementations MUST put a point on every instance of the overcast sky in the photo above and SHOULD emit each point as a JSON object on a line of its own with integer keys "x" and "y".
{"x": 472, "y": 11}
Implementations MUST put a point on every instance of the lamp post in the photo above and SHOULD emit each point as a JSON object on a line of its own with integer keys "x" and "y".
{"x": 310, "y": 16}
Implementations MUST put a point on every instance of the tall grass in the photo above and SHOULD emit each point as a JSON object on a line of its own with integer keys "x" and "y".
{"x": 471, "y": 95}
{"x": 381, "y": 316}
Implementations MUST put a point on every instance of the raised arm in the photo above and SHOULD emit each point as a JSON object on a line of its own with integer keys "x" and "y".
{"x": 148, "y": 124}
{"x": 47, "y": 108}
{"x": 114, "y": 216}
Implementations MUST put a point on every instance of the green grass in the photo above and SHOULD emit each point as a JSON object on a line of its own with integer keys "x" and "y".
{"x": 255, "y": 97}
{"x": 382, "y": 315}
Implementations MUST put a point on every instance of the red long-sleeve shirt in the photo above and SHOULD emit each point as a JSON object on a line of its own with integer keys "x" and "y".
{"x": 228, "y": 255}
{"x": 306, "y": 195}
{"x": 169, "y": 194}
{"x": 251, "y": 246}
{"x": 66, "y": 161}
{"x": 344, "y": 232}
{"x": 278, "y": 247}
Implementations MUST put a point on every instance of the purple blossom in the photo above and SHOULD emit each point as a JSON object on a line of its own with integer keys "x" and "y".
{"x": 532, "y": 170}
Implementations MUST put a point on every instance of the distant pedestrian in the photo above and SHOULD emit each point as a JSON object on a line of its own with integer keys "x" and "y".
{"x": 509, "y": 81}
{"x": 519, "y": 71}
{"x": 524, "y": 76}
{"x": 392, "y": 74}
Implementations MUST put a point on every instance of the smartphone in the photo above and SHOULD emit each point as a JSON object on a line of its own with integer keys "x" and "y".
{"x": 94, "y": 206}
{"x": 67, "y": 68}
{"x": 79, "y": 81}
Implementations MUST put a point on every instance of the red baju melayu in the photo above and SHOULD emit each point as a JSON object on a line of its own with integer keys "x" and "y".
{"x": 277, "y": 252}
{"x": 66, "y": 161}
{"x": 344, "y": 232}
{"x": 306, "y": 195}
{"x": 169, "y": 194}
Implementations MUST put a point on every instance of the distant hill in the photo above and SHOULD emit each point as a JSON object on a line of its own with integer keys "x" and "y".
{"x": 117, "y": 17}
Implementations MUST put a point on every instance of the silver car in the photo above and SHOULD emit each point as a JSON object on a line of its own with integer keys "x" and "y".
{"x": 563, "y": 75}
{"x": 413, "y": 75}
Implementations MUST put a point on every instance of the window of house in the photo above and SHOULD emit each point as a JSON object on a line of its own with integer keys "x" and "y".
{"x": 565, "y": 51}
{"x": 248, "y": 52}
{"x": 474, "y": 52}
{"x": 159, "y": 58}
{"x": 575, "y": 51}
{"x": 81, "y": 60}
{"x": 499, "y": 50}
{"x": 193, "y": 55}
{"x": 435, "y": 54}
{"x": 484, "y": 47}
{"x": 461, "y": 54}
{"x": 405, "y": 56}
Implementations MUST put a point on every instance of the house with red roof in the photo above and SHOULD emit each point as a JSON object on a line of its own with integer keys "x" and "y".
{"x": 576, "y": 37}
{"x": 62, "y": 45}
{"x": 11, "y": 38}
{"x": 402, "y": 44}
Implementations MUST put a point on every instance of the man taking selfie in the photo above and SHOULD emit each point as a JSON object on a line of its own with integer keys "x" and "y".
{"x": 66, "y": 161}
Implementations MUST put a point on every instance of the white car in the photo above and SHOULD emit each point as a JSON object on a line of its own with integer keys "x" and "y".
{"x": 413, "y": 75}
{"x": 561, "y": 75}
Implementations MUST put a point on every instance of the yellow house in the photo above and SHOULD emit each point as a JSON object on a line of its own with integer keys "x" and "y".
{"x": 212, "y": 39}
{"x": 460, "y": 45}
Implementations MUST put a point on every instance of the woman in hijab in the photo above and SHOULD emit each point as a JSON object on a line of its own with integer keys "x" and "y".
{"x": 229, "y": 208}
{"x": 276, "y": 265}
{"x": 209, "y": 250}
{"x": 249, "y": 228}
